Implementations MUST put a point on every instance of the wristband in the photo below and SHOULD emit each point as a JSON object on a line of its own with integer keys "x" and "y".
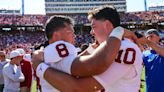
{"x": 90, "y": 49}
{"x": 42, "y": 67}
{"x": 117, "y": 32}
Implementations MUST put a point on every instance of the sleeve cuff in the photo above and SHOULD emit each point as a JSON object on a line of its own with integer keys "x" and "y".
{"x": 40, "y": 70}
{"x": 90, "y": 49}
{"x": 117, "y": 32}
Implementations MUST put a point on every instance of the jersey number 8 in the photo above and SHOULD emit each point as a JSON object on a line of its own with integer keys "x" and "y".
{"x": 62, "y": 50}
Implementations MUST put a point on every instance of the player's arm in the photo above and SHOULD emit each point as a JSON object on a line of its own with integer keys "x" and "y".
{"x": 68, "y": 83}
{"x": 101, "y": 58}
{"x": 90, "y": 49}
{"x": 85, "y": 52}
{"x": 98, "y": 61}
{"x": 159, "y": 49}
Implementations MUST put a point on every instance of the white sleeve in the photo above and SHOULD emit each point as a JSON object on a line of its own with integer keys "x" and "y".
{"x": 112, "y": 74}
{"x": 64, "y": 65}
{"x": 54, "y": 59}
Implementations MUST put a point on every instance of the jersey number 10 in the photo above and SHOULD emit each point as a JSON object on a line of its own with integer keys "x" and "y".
{"x": 126, "y": 55}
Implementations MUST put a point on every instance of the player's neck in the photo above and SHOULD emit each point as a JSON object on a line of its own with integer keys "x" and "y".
{"x": 52, "y": 41}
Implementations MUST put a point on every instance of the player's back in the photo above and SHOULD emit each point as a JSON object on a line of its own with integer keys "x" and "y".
{"x": 60, "y": 58}
{"x": 130, "y": 55}
{"x": 124, "y": 74}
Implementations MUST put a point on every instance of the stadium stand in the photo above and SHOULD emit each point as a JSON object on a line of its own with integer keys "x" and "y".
{"x": 39, "y": 20}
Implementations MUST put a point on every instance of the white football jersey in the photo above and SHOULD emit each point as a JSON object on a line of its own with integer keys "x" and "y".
{"x": 124, "y": 74}
{"x": 58, "y": 55}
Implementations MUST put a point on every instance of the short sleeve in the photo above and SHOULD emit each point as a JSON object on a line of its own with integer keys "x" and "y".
{"x": 60, "y": 55}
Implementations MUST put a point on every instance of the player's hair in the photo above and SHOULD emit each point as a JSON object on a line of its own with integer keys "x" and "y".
{"x": 56, "y": 22}
{"x": 107, "y": 12}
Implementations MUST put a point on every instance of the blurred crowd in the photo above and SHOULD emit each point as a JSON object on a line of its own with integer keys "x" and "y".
{"x": 29, "y": 40}
{"x": 79, "y": 18}
{"x": 83, "y": 39}
{"x": 39, "y": 20}
{"x": 20, "y": 39}
{"x": 26, "y": 20}
{"x": 142, "y": 17}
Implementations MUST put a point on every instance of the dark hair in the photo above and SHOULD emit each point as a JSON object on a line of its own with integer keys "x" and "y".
{"x": 45, "y": 44}
{"x": 139, "y": 35}
{"x": 106, "y": 13}
{"x": 56, "y": 22}
{"x": 83, "y": 47}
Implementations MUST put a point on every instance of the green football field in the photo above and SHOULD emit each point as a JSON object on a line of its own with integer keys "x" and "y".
{"x": 143, "y": 86}
{"x": 34, "y": 86}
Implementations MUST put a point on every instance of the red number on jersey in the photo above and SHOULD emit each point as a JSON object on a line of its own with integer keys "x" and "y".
{"x": 62, "y": 50}
{"x": 118, "y": 59}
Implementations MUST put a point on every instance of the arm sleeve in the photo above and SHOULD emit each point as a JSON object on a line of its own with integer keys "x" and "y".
{"x": 64, "y": 65}
{"x": 54, "y": 58}
{"x": 18, "y": 76}
{"x": 115, "y": 72}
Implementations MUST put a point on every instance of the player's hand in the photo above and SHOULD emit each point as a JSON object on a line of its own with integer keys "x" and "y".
{"x": 37, "y": 58}
{"x": 143, "y": 41}
{"x": 95, "y": 44}
{"x": 130, "y": 35}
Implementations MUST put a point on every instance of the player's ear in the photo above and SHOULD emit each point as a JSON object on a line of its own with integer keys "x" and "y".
{"x": 104, "y": 24}
{"x": 108, "y": 25}
{"x": 55, "y": 35}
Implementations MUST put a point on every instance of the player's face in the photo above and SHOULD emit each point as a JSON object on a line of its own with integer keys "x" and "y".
{"x": 100, "y": 29}
{"x": 153, "y": 38}
{"x": 67, "y": 34}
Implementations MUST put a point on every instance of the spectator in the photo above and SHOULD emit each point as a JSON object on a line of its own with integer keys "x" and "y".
{"x": 153, "y": 59}
{"x": 3, "y": 61}
{"x": 26, "y": 68}
{"x": 12, "y": 73}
